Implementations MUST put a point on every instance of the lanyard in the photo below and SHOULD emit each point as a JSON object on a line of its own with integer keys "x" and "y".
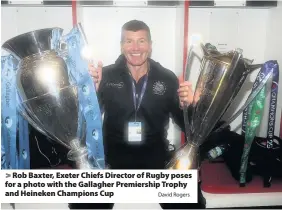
{"x": 135, "y": 95}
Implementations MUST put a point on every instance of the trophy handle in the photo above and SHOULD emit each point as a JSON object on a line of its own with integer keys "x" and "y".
{"x": 249, "y": 100}
{"x": 186, "y": 106}
{"x": 83, "y": 35}
{"x": 208, "y": 50}
{"x": 251, "y": 68}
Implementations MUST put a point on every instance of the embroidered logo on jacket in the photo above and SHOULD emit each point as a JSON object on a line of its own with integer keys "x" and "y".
{"x": 159, "y": 88}
{"x": 116, "y": 85}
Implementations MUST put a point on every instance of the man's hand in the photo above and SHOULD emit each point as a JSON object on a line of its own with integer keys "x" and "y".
{"x": 185, "y": 92}
{"x": 96, "y": 73}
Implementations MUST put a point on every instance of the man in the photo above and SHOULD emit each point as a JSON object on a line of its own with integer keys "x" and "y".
{"x": 137, "y": 93}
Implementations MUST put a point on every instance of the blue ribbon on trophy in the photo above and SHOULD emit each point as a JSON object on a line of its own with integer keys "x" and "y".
{"x": 3, "y": 154}
{"x": 89, "y": 106}
{"x": 24, "y": 148}
{"x": 14, "y": 127}
{"x": 53, "y": 91}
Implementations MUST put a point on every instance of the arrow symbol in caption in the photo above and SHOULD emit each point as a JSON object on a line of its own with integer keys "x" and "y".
{"x": 8, "y": 175}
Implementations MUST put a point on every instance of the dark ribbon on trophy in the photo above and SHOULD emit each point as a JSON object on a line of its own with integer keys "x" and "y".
{"x": 253, "y": 113}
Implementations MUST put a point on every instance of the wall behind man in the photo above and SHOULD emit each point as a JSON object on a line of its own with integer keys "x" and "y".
{"x": 225, "y": 28}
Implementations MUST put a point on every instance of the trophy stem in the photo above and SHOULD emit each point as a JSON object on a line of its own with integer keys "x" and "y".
{"x": 187, "y": 123}
{"x": 190, "y": 158}
{"x": 186, "y": 158}
{"x": 79, "y": 155}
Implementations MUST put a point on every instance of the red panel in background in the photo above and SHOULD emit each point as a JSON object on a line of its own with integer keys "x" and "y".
{"x": 74, "y": 12}
{"x": 217, "y": 179}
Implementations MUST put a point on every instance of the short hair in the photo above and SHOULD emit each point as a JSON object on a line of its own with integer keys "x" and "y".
{"x": 135, "y": 25}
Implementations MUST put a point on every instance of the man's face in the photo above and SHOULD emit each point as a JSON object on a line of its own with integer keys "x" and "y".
{"x": 136, "y": 47}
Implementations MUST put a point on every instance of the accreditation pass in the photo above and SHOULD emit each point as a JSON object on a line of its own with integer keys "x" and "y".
{"x": 134, "y": 131}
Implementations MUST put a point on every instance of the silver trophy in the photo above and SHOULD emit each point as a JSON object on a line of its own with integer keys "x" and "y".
{"x": 221, "y": 77}
{"x": 49, "y": 101}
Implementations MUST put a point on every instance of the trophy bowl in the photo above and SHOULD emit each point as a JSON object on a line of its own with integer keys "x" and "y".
{"x": 48, "y": 99}
{"x": 221, "y": 77}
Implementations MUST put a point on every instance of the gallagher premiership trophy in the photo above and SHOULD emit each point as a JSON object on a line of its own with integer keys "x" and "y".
{"x": 45, "y": 82}
{"x": 221, "y": 77}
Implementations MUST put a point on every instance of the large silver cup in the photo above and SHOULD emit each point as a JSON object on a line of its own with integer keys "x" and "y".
{"x": 221, "y": 77}
{"x": 49, "y": 102}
